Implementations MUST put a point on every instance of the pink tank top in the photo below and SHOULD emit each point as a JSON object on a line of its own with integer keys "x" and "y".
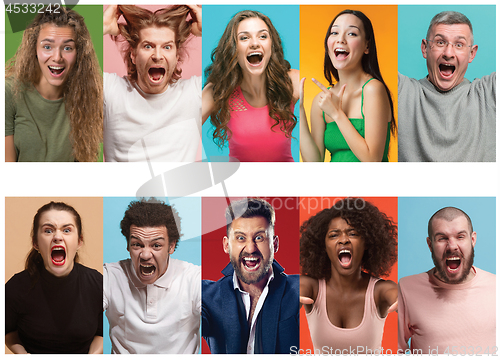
{"x": 365, "y": 338}
{"x": 251, "y": 136}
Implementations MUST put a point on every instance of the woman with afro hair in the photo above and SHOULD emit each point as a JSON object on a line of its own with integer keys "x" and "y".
{"x": 343, "y": 252}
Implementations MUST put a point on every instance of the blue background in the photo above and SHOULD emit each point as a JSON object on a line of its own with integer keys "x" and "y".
{"x": 414, "y": 256}
{"x": 413, "y": 22}
{"x": 286, "y": 21}
{"x": 115, "y": 245}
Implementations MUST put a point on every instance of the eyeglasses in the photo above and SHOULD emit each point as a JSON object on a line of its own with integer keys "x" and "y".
{"x": 441, "y": 44}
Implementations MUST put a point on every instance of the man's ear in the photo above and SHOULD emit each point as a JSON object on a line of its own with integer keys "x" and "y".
{"x": 429, "y": 243}
{"x": 473, "y": 238}
{"x": 171, "y": 247}
{"x": 423, "y": 47}
{"x": 225, "y": 244}
{"x": 132, "y": 56}
{"x": 473, "y": 53}
{"x": 276, "y": 243}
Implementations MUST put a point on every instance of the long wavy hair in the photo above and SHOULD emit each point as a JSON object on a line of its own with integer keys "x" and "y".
{"x": 34, "y": 261}
{"x": 225, "y": 75}
{"x": 377, "y": 230}
{"x": 369, "y": 61}
{"x": 138, "y": 18}
{"x": 82, "y": 92}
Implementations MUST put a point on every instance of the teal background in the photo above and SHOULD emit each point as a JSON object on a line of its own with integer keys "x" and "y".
{"x": 285, "y": 19}
{"x": 413, "y": 22}
{"x": 115, "y": 245}
{"x": 414, "y": 256}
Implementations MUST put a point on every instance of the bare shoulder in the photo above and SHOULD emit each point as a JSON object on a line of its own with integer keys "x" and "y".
{"x": 385, "y": 290}
{"x": 384, "y": 285}
{"x": 375, "y": 88}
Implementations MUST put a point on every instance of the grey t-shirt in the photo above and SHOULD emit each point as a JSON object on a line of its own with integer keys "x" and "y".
{"x": 457, "y": 125}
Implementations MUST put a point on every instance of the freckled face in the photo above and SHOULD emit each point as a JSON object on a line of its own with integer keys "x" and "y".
{"x": 253, "y": 42}
{"x": 155, "y": 59}
{"x": 56, "y": 54}
{"x": 150, "y": 252}
{"x": 58, "y": 241}
{"x": 344, "y": 246}
{"x": 347, "y": 42}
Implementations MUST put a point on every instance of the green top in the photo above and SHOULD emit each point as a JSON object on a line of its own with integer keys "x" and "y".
{"x": 40, "y": 126}
{"x": 336, "y": 144}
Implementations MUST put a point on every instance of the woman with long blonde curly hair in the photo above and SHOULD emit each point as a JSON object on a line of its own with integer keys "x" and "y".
{"x": 53, "y": 102}
{"x": 251, "y": 91}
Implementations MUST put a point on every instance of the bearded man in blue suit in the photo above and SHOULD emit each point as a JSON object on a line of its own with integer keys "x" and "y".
{"x": 254, "y": 308}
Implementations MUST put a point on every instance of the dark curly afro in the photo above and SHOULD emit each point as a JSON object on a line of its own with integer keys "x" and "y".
{"x": 152, "y": 213}
{"x": 379, "y": 232}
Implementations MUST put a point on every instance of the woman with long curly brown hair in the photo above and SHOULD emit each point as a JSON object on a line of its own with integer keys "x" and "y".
{"x": 343, "y": 252}
{"x": 251, "y": 91}
{"x": 54, "y": 92}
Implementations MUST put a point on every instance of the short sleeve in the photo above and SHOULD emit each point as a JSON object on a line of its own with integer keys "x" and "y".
{"x": 11, "y": 311}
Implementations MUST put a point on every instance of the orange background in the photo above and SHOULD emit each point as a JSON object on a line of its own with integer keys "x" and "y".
{"x": 314, "y": 21}
{"x": 389, "y": 206}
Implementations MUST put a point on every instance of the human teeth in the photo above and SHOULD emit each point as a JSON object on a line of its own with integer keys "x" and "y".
{"x": 250, "y": 259}
{"x": 453, "y": 258}
{"x": 344, "y": 251}
{"x": 56, "y": 67}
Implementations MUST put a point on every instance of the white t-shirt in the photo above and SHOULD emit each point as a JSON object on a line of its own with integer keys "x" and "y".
{"x": 163, "y": 317}
{"x": 158, "y": 127}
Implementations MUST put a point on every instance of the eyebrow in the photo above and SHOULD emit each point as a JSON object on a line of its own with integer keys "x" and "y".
{"x": 456, "y": 37}
{"x": 53, "y": 41}
{"x": 354, "y": 26}
{"x": 138, "y": 238}
{"x": 248, "y": 32}
{"x": 52, "y": 225}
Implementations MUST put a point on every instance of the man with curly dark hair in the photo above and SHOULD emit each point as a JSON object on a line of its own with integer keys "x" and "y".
{"x": 343, "y": 252}
{"x": 140, "y": 292}
{"x": 449, "y": 309}
{"x": 254, "y": 308}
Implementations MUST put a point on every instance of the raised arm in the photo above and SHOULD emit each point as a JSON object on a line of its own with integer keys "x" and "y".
{"x": 309, "y": 148}
{"x": 377, "y": 111}
{"x": 110, "y": 21}
{"x": 207, "y": 102}
{"x": 196, "y": 19}
{"x": 14, "y": 343}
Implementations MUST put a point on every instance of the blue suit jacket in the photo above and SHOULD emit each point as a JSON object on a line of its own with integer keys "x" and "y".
{"x": 224, "y": 325}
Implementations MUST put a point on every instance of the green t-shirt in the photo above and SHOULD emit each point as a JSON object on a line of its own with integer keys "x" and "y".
{"x": 40, "y": 126}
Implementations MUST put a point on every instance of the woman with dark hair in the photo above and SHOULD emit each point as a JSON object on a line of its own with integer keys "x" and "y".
{"x": 251, "y": 91}
{"x": 343, "y": 252}
{"x": 53, "y": 101}
{"x": 354, "y": 117}
{"x": 55, "y": 304}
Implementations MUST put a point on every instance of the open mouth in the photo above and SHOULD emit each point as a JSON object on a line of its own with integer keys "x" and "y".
{"x": 156, "y": 74}
{"x": 58, "y": 255}
{"x": 251, "y": 263}
{"x": 453, "y": 263}
{"x": 147, "y": 269}
{"x": 341, "y": 54}
{"x": 446, "y": 70}
{"x": 56, "y": 70}
{"x": 255, "y": 58}
{"x": 345, "y": 258}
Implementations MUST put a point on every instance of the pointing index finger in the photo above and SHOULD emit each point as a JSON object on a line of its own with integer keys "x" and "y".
{"x": 320, "y": 85}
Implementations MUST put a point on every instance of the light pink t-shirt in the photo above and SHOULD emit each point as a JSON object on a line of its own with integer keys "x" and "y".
{"x": 445, "y": 318}
{"x": 365, "y": 338}
{"x": 251, "y": 137}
